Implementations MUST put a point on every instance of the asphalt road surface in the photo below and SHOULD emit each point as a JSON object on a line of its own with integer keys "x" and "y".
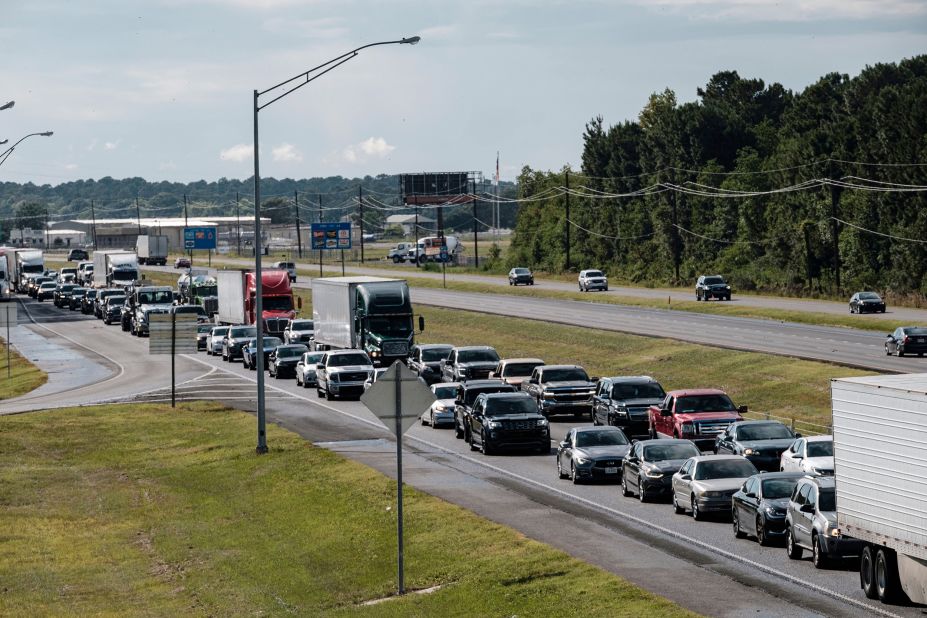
{"x": 698, "y": 564}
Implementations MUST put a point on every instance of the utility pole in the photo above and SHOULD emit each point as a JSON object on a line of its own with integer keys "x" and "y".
{"x": 676, "y": 249}
{"x": 46, "y": 228}
{"x": 93, "y": 216}
{"x": 835, "y": 193}
{"x": 415, "y": 237}
{"x": 238, "y": 216}
{"x": 186, "y": 224}
{"x": 566, "y": 223}
{"x": 138, "y": 216}
{"x": 476, "y": 244}
{"x": 299, "y": 237}
{"x": 321, "y": 246}
{"x": 360, "y": 205}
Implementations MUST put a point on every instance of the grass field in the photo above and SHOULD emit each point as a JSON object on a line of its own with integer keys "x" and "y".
{"x": 25, "y": 377}
{"x": 145, "y": 510}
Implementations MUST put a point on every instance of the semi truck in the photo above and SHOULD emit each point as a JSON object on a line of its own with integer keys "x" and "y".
{"x": 199, "y": 289}
{"x": 880, "y": 429}
{"x": 25, "y": 262}
{"x": 114, "y": 268}
{"x": 6, "y": 290}
{"x": 236, "y": 292}
{"x": 372, "y": 314}
{"x": 151, "y": 250}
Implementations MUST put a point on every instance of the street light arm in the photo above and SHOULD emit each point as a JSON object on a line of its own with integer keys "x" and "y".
{"x": 11, "y": 148}
{"x": 342, "y": 60}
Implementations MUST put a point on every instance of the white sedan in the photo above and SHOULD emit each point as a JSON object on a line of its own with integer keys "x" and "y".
{"x": 441, "y": 412}
{"x": 811, "y": 455}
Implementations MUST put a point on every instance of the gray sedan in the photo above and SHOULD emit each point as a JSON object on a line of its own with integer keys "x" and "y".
{"x": 706, "y": 483}
{"x": 592, "y": 453}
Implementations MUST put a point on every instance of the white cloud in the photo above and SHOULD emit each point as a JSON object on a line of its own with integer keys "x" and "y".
{"x": 237, "y": 153}
{"x": 93, "y": 144}
{"x": 376, "y": 147}
{"x": 70, "y": 167}
{"x": 287, "y": 153}
{"x": 111, "y": 145}
{"x": 790, "y": 10}
{"x": 370, "y": 148}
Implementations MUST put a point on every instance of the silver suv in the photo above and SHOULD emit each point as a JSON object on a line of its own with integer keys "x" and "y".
{"x": 811, "y": 523}
{"x": 592, "y": 280}
{"x": 342, "y": 373}
{"x": 289, "y": 267}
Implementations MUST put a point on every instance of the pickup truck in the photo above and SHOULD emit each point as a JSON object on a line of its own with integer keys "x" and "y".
{"x": 624, "y": 402}
{"x": 427, "y": 359}
{"x": 696, "y": 414}
{"x": 474, "y": 362}
{"x": 561, "y": 389}
{"x": 342, "y": 373}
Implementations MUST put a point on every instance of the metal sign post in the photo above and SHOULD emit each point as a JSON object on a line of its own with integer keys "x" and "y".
{"x": 8, "y": 316}
{"x": 172, "y": 333}
{"x": 398, "y": 399}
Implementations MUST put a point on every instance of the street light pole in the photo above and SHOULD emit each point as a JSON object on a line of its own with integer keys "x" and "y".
{"x": 6, "y": 153}
{"x": 288, "y": 87}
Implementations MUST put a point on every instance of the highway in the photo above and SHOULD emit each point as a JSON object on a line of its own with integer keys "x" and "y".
{"x": 669, "y": 554}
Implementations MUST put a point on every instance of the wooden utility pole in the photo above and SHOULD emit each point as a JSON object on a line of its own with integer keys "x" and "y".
{"x": 299, "y": 237}
{"x": 566, "y": 222}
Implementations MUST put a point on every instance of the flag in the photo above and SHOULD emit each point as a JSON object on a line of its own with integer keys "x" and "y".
{"x": 495, "y": 179}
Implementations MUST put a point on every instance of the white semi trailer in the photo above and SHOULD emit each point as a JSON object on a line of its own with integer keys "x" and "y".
{"x": 25, "y": 262}
{"x": 880, "y": 465}
{"x": 114, "y": 268}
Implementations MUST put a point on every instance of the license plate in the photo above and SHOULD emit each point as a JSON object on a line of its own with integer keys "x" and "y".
{"x": 920, "y": 340}
{"x": 611, "y": 470}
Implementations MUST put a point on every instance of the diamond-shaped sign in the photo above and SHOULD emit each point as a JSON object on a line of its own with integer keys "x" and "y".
{"x": 414, "y": 398}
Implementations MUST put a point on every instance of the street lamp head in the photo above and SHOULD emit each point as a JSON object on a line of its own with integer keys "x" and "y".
{"x": 47, "y": 133}
{"x": 411, "y": 40}
{"x": 8, "y": 105}
{"x": 4, "y": 141}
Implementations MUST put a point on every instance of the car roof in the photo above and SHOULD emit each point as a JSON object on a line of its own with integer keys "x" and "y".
{"x": 292, "y": 345}
{"x": 432, "y": 346}
{"x": 482, "y": 383}
{"x": 631, "y": 379}
{"x": 441, "y": 384}
{"x": 824, "y": 482}
{"x": 294, "y": 320}
{"x": 341, "y": 352}
{"x": 505, "y": 395}
{"x": 666, "y": 441}
{"x": 546, "y": 367}
{"x": 473, "y": 347}
{"x": 756, "y": 422}
{"x": 701, "y": 458}
{"x": 696, "y": 391}
{"x": 778, "y": 475}
{"x": 521, "y": 360}
{"x": 594, "y": 429}
{"x": 827, "y": 438}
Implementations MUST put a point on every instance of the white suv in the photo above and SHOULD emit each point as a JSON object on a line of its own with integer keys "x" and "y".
{"x": 289, "y": 267}
{"x": 592, "y": 280}
{"x": 342, "y": 373}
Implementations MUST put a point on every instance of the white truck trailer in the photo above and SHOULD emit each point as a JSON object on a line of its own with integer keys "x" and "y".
{"x": 114, "y": 268}
{"x": 880, "y": 465}
{"x": 6, "y": 290}
{"x": 25, "y": 262}
{"x": 151, "y": 249}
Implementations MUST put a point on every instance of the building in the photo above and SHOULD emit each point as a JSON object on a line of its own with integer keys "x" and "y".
{"x": 407, "y": 222}
{"x": 58, "y": 238}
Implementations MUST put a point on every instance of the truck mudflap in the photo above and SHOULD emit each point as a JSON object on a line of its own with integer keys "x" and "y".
{"x": 913, "y": 575}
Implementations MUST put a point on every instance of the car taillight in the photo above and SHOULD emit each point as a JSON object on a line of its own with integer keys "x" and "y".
{"x": 905, "y": 339}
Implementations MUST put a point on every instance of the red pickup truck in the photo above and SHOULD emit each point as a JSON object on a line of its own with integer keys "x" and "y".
{"x": 698, "y": 415}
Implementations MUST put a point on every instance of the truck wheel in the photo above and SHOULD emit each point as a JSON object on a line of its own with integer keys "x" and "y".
{"x": 485, "y": 446}
{"x": 791, "y": 548}
{"x": 887, "y": 582}
{"x": 867, "y": 573}
{"x": 473, "y": 446}
{"x": 396, "y": 259}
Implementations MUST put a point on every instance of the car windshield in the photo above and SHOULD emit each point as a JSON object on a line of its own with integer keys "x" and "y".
{"x": 242, "y": 332}
{"x": 270, "y": 343}
{"x": 724, "y": 469}
{"x": 291, "y": 352}
{"x": 477, "y": 356}
{"x": 713, "y": 280}
{"x": 601, "y": 438}
{"x": 915, "y": 331}
{"x": 91, "y": 294}
{"x": 594, "y": 273}
{"x": 115, "y": 300}
{"x": 821, "y": 449}
{"x": 472, "y": 393}
{"x": 645, "y": 390}
{"x": 764, "y": 431}
{"x": 277, "y": 303}
{"x": 124, "y": 275}
{"x": 566, "y": 375}
{"x": 704, "y": 403}
{"x": 510, "y": 405}
{"x": 302, "y": 325}
{"x": 520, "y": 271}
{"x": 220, "y": 331}
{"x": 161, "y": 297}
{"x": 342, "y": 360}
{"x": 663, "y": 452}
{"x": 773, "y": 489}
{"x": 869, "y": 296}
{"x": 445, "y": 392}
{"x": 313, "y": 358}
{"x": 518, "y": 370}
{"x": 203, "y": 328}
{"x": 67, "y": 288}
{"x": 78, "y": 292}
{"x": 430, "y": 355}
{"x": 48, "y": 285}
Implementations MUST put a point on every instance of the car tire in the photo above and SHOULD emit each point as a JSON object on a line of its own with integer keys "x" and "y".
{"x": 458, "y": 432}
{"x": 573, "y": 476}
{"x": 319, "y": 393}
{"x": 735, "y": 519}
{"x": 867, "y": 573}
{"x": 560, "y": 474}
{"x": 818, "y": 559}
{"x": 887, "y": 352}
{"x": 641, "y": 494}
{"x": 791, "y": 548}
{"x": 305, "y": 384}
{"x": 595, "y": 419}
{"x": 697, "y": 297}
{"x": 624, "y": 486}
{"x": 485, "y": 446}
{"x": 473, "y": 446}
{"x": 761, "y": 536}
{"x": 697, "y": 514}
{"x": 329, "y": 396}
{"x": 678, "y": 509}
{"x": 888, "y": 585}
{"x": 424, "y": 422}
{"x": 653, "y": 433}
{"x": 899, "y": 351}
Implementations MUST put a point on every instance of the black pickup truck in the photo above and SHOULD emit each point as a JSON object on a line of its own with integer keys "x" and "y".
{"x": 624, "y": 402}
{"x": 561, "y": 389}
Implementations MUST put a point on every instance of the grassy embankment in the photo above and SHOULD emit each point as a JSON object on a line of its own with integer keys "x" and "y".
{"x": 25, "y": 377}
{"x": 145, "y": 510}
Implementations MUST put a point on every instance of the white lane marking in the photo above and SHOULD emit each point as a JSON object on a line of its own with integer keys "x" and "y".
{"x": 605, "y": 509}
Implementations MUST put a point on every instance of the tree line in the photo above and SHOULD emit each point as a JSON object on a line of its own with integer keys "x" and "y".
{"x": 742, "y": 135}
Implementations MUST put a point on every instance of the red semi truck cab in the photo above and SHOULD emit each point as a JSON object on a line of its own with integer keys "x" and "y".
{"x": 277, "y": 299}
{"x": 697, "y": 414}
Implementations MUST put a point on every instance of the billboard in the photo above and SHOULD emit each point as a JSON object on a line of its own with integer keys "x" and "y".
{"x": 330, "y": 235}
{"x": 199, "y": 238}
{"x": 437, "y": 187}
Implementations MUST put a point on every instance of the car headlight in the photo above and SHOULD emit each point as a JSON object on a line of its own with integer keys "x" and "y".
{"x": 654, "y": 474}
{"x": 833, "y": 531}
{"x": 583, "y": 461}
{"x": 620, "y": 411}
{"x": 542, "y": 422}
{"x": 749, "y": 451}
{"x": 495, "y": 425}
{"x": 774, "y": 512}
{"x": 547, "y": 395}
{"x": 727, "y": 287}
{"x": 440, "y": 407}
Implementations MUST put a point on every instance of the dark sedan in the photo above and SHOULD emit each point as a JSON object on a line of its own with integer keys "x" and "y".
{"x": 202, "y": 335}
{"x": 182, "y": 262}
{"x": 907, "y": 340}
{"x": 762, "y": 442}
{"x": 521, "y": 276}
{"x": 759, "y": 507}
{"x": 77, "y": 296}
{"x": 592, "y": 453}
{"x": 88, "y": 301}
{"x": 283, "y": 361}
{"x": 649, "y": 466}
{"x": 112, "y": 309}
{"x": 866, "y": 302}
{"x": 63, "y": 293}
{"x": 249, "y": 351}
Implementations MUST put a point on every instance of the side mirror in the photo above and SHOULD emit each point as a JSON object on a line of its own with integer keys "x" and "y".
{"x": 633, "y": 459}
{"x": 532, "y": 381}
{"x": 797, "y": 435}
{"x": 807, "y": 508}
{"x": 742, "y": 409}
{"x": 685, "y": 477}
{"x": 750, "y": 494}
{"x": 595, "y": 379}
{"x": 448, "y": 362}
{"x": 799, "y": 457}
{"x": 564, "y": 444}
{"x": 320, "y": 367}
{"x": 421, "y": 323}
{"x": 665, "y": 412}
{"x": 492, "y": 374}
{"x": 299, "y": 302}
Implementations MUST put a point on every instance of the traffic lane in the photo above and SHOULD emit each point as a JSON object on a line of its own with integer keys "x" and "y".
{"x": 643, "y": 520}
{"x": 764, "y": 302}
{"x": 132, "y": 369}
{"x": 845, "y": 346}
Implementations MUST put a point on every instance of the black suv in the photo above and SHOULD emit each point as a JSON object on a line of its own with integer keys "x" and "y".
{"x": 712, "y": 286}
{"x": 501, "y": 420}
{"x": 76, "y": 255}
{"x": 466, "y": 395}
{"x": 428, "y": 359}
{"x": 474, "y": 362}
{"x": 624, "y": 402}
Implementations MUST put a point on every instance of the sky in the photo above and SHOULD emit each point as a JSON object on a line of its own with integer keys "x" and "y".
{"x": 163, "y": 89}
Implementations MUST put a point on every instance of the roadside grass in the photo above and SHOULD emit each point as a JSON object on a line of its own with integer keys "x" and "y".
{"x": 24, "y": 376}
{"x": 785, "y": 388}
{"x": 148, "y": 510}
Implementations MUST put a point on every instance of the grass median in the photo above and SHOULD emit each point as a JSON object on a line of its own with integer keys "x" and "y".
{"x": 145, "y": 510}
{"x": 24, "y": 376}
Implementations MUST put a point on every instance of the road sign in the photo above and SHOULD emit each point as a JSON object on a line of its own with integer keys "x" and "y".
{"x": 160, "y": 332}
{"x": 414, "y": 397}
{"x": 199, "y": 238}
{"x": 330, "y": 235}
{"x": 8, "y": 314}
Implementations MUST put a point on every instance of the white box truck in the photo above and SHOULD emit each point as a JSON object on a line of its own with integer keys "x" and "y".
{"x": 372, "y": 314}
{"x": 114, "y": 268}
{"x": 6, "y": 291}
{"x": 880, "y": 466}
{"x": 26, "y": 262}
{"x": 151, "y": 250}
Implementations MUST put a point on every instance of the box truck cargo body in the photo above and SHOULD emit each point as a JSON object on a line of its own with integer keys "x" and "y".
{"x": 372, "y": 314}
{"x": 880, "y": 466}
{"x": 114, "y": 268}
{"x": 151, "y": 249}
{"x": 26, "y": 262}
